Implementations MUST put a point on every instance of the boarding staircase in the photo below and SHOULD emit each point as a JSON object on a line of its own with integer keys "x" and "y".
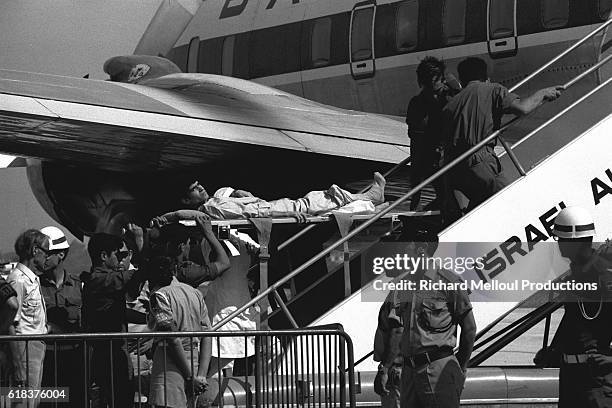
{"x": 564, "y": 160}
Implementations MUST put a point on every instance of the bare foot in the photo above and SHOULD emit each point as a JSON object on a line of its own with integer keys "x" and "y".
{"x": 376, "y": 193}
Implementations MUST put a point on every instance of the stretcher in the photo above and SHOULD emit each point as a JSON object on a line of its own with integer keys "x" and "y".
{"x": 315, "y": 219}
{"x": 263, "y": 227}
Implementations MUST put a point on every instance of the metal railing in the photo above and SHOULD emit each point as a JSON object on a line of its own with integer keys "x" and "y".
{"x": 287, "y": 368}
{"x": 274, "y": 287}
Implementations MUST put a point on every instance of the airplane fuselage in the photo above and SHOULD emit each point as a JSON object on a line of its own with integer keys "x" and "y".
{"x": 362, "y": 55}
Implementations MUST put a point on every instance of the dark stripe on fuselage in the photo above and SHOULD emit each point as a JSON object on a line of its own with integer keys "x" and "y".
{"x": 286, "y": 48}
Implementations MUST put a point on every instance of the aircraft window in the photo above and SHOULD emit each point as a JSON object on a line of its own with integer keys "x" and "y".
{"x": 320, "y": 42}
{"x": 268, "y": 51}
{"x": 555, "y": 13}
{"x": 192, "y": 54}
{"x": 361, "y": 34}
{"x": 227, "y": 58}
{"x": 210, "y": 55}
{"x": 604, "y": 9}
{"x": 501, "y": 23}
{"x": 407, "y": 33}
{"x": 454, "y": 21}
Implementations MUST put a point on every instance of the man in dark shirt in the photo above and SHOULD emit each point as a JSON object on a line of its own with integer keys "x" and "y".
{"x": 424, "y": 120}
{"x": 104, "y": 310}
{"x": 474, "y": 114}
{"x": 585, "y": 332}
{"x": 64, "y": 365}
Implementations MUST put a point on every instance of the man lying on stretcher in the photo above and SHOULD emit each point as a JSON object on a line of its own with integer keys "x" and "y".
{"x": 228, "y": 203}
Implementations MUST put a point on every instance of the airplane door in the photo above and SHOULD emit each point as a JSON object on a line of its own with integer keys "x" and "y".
{"x": 501, "y": 33}
{"x": 361, "y": 40}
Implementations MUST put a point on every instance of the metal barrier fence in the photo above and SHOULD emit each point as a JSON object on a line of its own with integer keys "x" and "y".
{"x": 287, "y": 368}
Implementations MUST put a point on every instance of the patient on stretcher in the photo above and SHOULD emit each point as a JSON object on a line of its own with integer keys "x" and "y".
{"x": 228, "y": 203}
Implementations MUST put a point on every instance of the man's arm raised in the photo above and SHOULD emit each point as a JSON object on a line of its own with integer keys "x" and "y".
{"x": 222, "y": 262}
{"x": 525, "y": 106}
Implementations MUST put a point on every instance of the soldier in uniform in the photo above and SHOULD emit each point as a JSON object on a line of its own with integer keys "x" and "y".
{"x": 585, "y": 332}
{"x": 432, "y": 375}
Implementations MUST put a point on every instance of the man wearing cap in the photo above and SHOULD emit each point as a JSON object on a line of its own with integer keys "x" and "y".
{"x": 62, "y": 293}
{"x": 585, "y": 332}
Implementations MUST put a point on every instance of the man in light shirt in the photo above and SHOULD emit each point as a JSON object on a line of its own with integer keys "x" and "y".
{"x": 32, "y": 247}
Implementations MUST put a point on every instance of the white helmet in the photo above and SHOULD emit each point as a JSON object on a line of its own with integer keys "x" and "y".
{"x": 574, "y": 222}
{"x": 57, "y": 239}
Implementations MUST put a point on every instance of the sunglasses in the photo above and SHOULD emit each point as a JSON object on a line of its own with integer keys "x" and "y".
{"x": 124, "y": 254}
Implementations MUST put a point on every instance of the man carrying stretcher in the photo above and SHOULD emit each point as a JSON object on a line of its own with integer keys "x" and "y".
{"x": 228, "y": 203}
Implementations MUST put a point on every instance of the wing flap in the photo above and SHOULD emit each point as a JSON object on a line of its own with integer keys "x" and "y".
{"x": 168, "y": 132}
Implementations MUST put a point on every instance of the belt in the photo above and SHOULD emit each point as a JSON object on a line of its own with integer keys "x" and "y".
{"x": 584, "y": 357}
{"x": 418, "y": 360}
{"x": 575, "y": 358}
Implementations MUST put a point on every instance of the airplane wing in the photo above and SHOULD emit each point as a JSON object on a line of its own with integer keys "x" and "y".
{"x": 179, "y": 120}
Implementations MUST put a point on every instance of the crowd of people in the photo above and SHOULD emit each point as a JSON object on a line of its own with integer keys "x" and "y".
{"x": 146, "y": 277}
{"x": 166, "y": 276}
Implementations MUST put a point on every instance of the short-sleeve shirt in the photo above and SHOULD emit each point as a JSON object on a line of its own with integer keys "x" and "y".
{"x": 31, "y": 317}
{"x": 63, "y": 302}
{"x": 473, "y": 114}
{"x": 430, "y": 317}
{"x": 178, "y": 307}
